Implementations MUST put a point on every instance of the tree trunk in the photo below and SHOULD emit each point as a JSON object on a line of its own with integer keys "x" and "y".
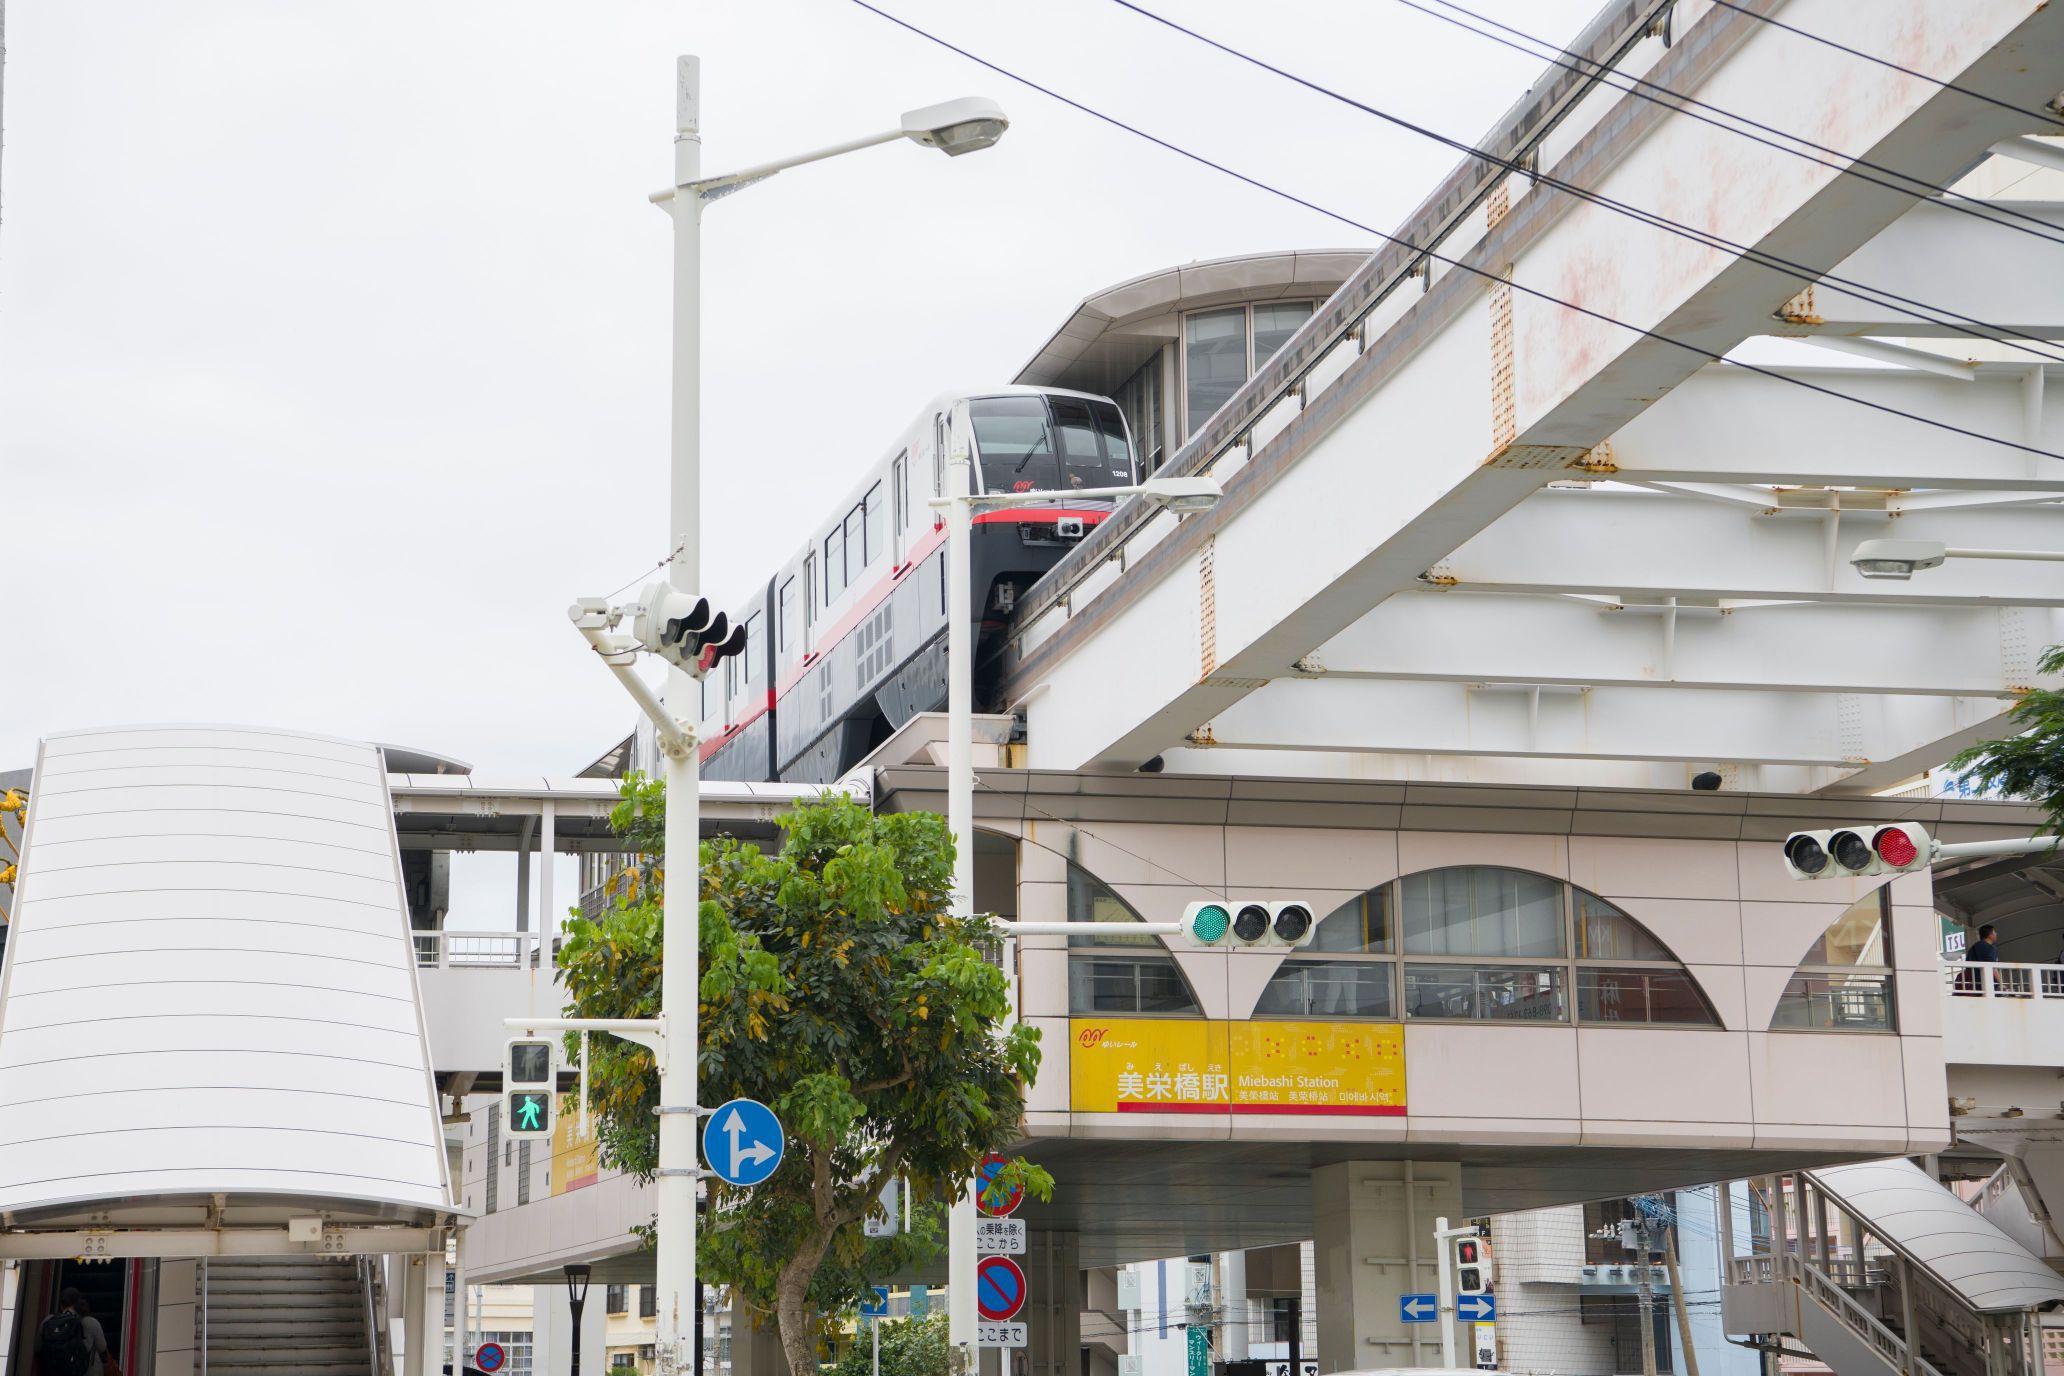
{"x": 792, "y": 1310}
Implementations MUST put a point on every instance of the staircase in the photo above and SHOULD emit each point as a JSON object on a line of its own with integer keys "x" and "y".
{"x": 287, "y": 1316}
{"x": 1878, "y": 1273}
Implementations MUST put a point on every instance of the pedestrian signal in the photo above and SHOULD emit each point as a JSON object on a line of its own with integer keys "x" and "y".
{"x": 527, "y": 1087}
{"x": 1472, "y": 1266}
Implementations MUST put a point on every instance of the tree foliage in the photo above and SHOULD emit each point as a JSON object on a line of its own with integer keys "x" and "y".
{"x": 2029, "y": 764}
{"x": 909, "y": 1347}
{"x": 837, "y": 988}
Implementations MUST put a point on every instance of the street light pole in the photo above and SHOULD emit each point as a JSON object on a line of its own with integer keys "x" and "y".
{"x": 680, "y": 959}
{"x": 958, "y": 501}
{"x": 960, "y": 821}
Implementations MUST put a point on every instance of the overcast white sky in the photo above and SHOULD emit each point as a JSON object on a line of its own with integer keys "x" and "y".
{"x": 333, "y": 338}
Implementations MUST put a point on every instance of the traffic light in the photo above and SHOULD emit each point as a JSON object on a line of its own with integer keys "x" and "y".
{"x": 1207, "y": 923}
{"x": 1472, "y": 1266}
{"x": 1846, "y": 852}
{"x": 1214, "y": 923}
{"x": 682, "y": 629}
{"x": 527, "y": 1087}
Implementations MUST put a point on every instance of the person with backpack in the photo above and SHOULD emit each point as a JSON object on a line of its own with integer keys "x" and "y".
{"x": 71, "y": 1342}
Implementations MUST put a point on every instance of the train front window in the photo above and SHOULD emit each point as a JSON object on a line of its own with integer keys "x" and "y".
{"x": 1049, "y": 444}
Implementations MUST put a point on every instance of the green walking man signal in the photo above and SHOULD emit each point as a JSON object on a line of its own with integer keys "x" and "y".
{"x": 527, "y": 1087}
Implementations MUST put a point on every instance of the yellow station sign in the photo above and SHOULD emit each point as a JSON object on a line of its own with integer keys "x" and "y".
{"x": 1190, "y": 1065}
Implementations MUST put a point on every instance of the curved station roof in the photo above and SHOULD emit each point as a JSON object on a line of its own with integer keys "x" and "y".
{"x": 209, "y": 1009}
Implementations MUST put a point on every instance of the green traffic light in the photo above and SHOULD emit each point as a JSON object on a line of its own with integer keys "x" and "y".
{"x": 1211, "y": 924}
{"x": 529, "y": 1112}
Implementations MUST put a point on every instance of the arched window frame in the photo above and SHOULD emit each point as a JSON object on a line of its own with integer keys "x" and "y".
{"x": 1834, "y": 994}
{"x": 1099, "y": 959}
{"x": 1572, "y": 984}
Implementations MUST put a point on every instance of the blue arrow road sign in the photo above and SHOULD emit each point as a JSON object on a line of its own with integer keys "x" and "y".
{"x": 1476, "y": 1308}
{"x": 878, "y": 1308}
{"x": 1418, "y": 1308}
{"x": 742, "y": 1142}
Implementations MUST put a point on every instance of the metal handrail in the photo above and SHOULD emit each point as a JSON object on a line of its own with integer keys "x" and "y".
{"x": 2002, "y": 979}
{"x": 443, "y": 949}
{"x": 1844, "y": 1306}
{"x": 365, "y": 1282}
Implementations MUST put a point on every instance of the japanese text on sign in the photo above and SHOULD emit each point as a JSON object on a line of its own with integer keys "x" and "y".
{"x": 1160, "y": 1065}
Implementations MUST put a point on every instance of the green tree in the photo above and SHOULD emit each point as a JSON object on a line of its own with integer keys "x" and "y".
{"x": 2029, "y": 764}
{"x": 837, "y": 988}
{"x": 909, "y": 1347}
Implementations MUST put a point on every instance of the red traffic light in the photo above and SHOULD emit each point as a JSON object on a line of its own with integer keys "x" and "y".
{"x": 1466, "y": 1251}
{"x": 1895, "y": 847}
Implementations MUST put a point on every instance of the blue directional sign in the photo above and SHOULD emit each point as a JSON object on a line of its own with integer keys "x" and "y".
{"x": 743, "y": 1142}
{"x": 1476, "y": 1308}
{"x": 1418, "y": 1308}
{"x": 878, "y": 1307}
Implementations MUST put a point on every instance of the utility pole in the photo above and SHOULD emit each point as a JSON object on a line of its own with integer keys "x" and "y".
{"x": 1677, "y": 1298}
{"x": 1647, "y": 1293}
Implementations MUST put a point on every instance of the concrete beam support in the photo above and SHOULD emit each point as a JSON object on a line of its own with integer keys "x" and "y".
{"x": 1373, "y": 1225}
{"x": 755, "y": 1351}
{"x": 1056, "y": 1297}
{"x": 178, "y": 1333}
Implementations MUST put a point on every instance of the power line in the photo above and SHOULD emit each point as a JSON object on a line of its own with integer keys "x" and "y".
{"x": 2047, "y": 116}
{"x": 1457, "y": 263}
{"x": 1641, "y": 87}
{"x": 1876, "y": 295}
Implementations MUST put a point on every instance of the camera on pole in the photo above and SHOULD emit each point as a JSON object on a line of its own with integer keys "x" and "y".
{"x": 527, "y": 1087}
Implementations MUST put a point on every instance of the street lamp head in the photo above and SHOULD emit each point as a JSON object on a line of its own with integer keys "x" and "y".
{"x": 577, "y": 1282}
{"x": 967, "y": 125}
{"x": 1897, "y": 558}
{"x": 1182, "y": 495}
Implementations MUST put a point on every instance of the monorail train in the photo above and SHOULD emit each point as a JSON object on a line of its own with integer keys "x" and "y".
{"x": 847, "y": 641}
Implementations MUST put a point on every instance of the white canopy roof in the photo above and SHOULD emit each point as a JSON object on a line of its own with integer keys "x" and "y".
{"x": 209, "y": 988}
{"x": 1965, "y": 1249}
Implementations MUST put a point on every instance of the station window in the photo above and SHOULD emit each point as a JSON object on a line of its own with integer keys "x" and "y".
{"x": 1483, "y": 943}
{"x": 618, "y": 1301}
{"x": 1111, "y": 971}
{"x": 1223, "y": 348}
{"x": 1845, "y": 982}
{"x": 1139, "y": 397}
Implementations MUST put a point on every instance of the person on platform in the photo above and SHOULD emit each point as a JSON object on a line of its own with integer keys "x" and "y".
{"x": 1986, "y": 948}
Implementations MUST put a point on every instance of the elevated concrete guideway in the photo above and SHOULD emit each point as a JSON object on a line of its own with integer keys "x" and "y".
{"x": 1407, "y": 435}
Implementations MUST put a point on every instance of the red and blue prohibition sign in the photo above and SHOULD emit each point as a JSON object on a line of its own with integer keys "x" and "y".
{"x": 489, "y": 1356}
{"x": 999, "y": 1288}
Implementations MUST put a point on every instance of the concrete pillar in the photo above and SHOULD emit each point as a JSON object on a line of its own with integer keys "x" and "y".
{"x": 1232, "y": 1306}
{"x": 415, "y": 1316}
{"x": 10, "y": 1301}
{"x": 1373, "y": 1226}
{"x": 177, "y": 1331}
{"x": 754, "y": 1351}
{"x": 1054, "y": 1300}
{"x": 552, "y": 1331}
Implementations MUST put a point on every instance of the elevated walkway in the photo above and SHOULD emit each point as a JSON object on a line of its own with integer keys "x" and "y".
{"x": 1879, "y": 1271}
{"x": 209, "y": 1016}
